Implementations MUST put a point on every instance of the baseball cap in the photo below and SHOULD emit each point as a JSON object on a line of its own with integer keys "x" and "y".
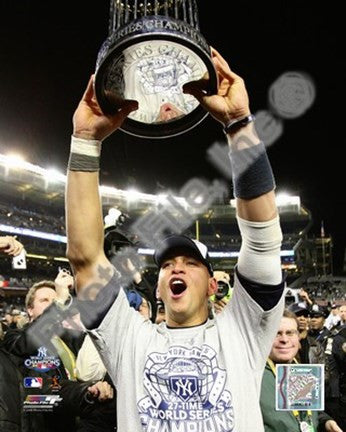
{"x": 318, "y": 311}
{"x": 299, "y": 310}
{"x": 184, "y": 244}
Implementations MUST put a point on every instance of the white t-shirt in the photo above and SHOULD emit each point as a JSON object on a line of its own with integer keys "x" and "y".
{"x": 200, "y": 379}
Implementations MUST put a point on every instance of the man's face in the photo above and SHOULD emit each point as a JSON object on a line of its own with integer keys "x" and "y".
{"x": 317, "y": 322}
{"x": 342, "y": 313}
{"x": 184, "y": 285}
{"x": 43, "y": 298}
{"x": 160, "y": 311}
{"x": 303, "y": 322}
{"x": 168, "y": 111}
{"x": 286, "y": 343}
{"x": 335, "y": 311}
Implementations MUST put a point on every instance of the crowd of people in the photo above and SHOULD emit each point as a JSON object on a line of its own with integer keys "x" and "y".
{"x": 103, "y": 350}
{"x": 308, "y": 334}
{"x": 25, "y": 215}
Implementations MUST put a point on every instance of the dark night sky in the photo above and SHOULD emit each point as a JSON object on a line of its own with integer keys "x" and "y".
{"x": 48, "y": 51}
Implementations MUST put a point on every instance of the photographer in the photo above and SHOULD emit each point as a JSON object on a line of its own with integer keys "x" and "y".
{"x": 223, "y": 293}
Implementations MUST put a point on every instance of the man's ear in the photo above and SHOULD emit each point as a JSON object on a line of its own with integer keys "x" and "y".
{"x": 29, "y": 312}
{"x": 212, "y": 286}
{"x": 158, "y": 297}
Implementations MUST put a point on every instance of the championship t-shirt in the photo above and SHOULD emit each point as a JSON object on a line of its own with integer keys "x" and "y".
{"x": 199, "y": 379}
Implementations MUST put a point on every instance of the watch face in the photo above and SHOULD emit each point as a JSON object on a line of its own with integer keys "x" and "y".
{"x": 153, "y": 73}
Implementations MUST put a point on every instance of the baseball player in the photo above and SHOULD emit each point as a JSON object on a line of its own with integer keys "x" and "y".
{"x": 189, "y": 373}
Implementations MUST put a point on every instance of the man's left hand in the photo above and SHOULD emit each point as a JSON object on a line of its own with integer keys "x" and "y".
{"x": 10, "y": 246}
{"x": 63, "y": 284}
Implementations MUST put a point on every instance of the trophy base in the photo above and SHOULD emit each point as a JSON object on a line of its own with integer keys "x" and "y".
{"x": 149, "y": 60}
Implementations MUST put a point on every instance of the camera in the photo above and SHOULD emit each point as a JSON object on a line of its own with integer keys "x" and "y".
{"x": 222, "y": 290}
{"x": 19, "y": 261}
{"x": 291, "y": 296}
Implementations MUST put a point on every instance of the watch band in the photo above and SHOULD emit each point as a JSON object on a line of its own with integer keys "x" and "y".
{"x": 236, "y": 124}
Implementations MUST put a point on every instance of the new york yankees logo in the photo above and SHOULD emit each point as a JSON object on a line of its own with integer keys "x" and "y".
{"x": 183, "y": 387}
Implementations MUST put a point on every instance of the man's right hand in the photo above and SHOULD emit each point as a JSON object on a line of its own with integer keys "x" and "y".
{"x": 101, "y": 391}
{"x": 90, "y": 123}
{"x": 10, "y": 246}
{"x": 63, "y": 284}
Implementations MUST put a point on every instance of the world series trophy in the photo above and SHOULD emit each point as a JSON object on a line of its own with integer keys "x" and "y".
{"x": 153, "y": 48}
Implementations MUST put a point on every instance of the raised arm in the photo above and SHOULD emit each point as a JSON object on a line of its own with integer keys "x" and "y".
{"x": 253, "y": 183}
{"x": 84, "y": 221}
{"x": 255, "y": 201}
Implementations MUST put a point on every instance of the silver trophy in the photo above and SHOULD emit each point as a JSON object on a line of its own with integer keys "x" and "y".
{"x": 153, "y": 48}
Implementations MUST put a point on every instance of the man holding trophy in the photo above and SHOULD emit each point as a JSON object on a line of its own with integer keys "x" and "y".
{"x": 189, "y": 372}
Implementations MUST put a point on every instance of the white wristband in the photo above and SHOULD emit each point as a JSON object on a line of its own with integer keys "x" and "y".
{"x": 86, "y": 147}
{"x": 84, "y": 155}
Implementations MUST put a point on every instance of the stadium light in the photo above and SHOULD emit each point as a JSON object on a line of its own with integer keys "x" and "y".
{"x": 62, "y": 259}
{"x": 15, "y": 160}
{"x": 41, "y": 257}
{"x": 132, "y": 195}
{"x": 53, "y": 175}
{"x": 161, "y": 198}
{"x": 33, "y": 233}
{"x": 215, "y": 254}
{"x": 283, "y": 200}
{"x": 18, "y": 162}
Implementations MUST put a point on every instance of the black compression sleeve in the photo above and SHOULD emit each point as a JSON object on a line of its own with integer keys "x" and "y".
{"x": 267, "y": 296}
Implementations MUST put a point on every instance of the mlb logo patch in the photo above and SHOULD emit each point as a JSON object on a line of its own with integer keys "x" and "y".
{"x": 33, "y": 382}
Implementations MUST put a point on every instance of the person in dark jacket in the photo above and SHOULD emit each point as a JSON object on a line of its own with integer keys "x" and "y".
{"x": 336, "y": 400}
{"x": 318, "y": 331}
{"x": 284, "y": 350}
{"x": 11, "y": 394}
{"x": 310, "y": 351}
{"x": 48, "y": 366}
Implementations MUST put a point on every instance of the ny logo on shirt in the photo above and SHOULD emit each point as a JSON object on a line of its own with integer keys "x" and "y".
{"x": 183, "y": 387}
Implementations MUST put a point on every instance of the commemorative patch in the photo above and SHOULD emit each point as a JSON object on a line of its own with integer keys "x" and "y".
{"x": 299, "y": 387}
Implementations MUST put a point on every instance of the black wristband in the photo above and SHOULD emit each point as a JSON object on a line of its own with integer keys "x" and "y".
{"x": 251, "y": 171}
{"x": 86, "y": 163}
{"x": 236, "y": 124}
